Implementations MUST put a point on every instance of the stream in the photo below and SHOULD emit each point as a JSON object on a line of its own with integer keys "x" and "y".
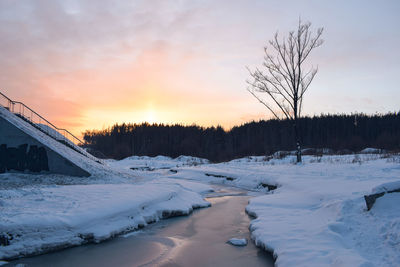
{"x": 195, "y": 240}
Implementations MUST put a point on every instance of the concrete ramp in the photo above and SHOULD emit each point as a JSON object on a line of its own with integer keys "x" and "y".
{"x": 26, "y": 149}
{"x": 30, "y": 143}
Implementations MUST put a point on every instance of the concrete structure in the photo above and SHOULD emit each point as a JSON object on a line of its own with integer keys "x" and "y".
{"x": 23, "y": 151}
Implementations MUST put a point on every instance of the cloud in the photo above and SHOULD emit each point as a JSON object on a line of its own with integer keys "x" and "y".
{"x": 187, "y": 59}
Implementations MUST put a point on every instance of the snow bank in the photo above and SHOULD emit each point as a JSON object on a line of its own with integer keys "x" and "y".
{"x": 371, "y": 150}
{"x": 39, "y": 219}
{"x": 317, "y": 215}
{"x": 386, "y": 187}
{"x": 145, "y": 163}
{"x": 321, "y": 220}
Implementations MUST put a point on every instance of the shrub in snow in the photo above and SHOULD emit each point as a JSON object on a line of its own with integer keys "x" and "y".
{"x": 280, "y": 154}
{"x": 309, "y": 151}
{"x": 357, "y": 159}
{"x": 344, "y": 152}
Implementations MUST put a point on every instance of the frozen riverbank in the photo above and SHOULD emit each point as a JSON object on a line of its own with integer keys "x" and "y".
{"x": 196, "y": 240}
{"x": 40, "y": 219}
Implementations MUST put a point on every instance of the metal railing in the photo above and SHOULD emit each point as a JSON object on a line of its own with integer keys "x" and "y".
{"x": 26, "y": 113}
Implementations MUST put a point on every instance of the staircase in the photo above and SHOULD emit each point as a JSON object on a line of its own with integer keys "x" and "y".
{"x": 39, "y": 122}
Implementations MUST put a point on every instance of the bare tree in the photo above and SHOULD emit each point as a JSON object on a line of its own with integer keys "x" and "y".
{"x": 283, "y": 78}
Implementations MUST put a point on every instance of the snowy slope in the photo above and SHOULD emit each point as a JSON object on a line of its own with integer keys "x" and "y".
{"x": 58, "y": 136}
{"x": 52, "y": 132}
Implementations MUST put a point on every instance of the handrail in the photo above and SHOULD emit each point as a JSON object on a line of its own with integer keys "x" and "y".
{"x": 55, "y": 127}
{"x": 11, "y": 107}
{"x": 5, "y": 97}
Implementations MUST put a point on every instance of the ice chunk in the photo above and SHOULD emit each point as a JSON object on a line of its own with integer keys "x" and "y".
{"x": 238, "y": 241}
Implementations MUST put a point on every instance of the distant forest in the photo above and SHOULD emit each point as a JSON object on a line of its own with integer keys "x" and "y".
{"x": 337, "y": 132}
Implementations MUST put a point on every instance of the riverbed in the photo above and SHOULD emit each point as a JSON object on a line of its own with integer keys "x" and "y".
{"x": 195, "y": 240}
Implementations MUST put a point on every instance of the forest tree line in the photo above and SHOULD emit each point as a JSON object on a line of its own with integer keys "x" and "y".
{"x": 337, "y": 132}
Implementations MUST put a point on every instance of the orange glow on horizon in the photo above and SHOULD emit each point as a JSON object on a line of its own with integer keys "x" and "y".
{"x": 161, "y": 85}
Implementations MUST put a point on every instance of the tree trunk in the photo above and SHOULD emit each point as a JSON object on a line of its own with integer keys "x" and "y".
{"x": 296, "y": 130}
{"x": 297, "y": 139}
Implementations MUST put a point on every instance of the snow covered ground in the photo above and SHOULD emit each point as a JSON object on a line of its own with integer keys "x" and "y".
{"x": 317, "y": 215}
{"x": 311, "y": 214}
{"x": 39, "y": 215}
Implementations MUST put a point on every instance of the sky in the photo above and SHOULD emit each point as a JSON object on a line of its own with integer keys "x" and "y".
{"x": 89, "y": 64}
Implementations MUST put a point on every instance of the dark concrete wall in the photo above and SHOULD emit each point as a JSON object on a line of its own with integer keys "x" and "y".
{"x": 23, "y": 157}
{"x": 22, "y": 152}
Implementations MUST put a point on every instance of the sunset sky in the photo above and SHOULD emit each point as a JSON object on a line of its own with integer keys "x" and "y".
{"x": 90, "y": 64}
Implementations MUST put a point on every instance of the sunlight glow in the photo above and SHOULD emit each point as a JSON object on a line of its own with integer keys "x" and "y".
{"x": 151, "y": 117}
